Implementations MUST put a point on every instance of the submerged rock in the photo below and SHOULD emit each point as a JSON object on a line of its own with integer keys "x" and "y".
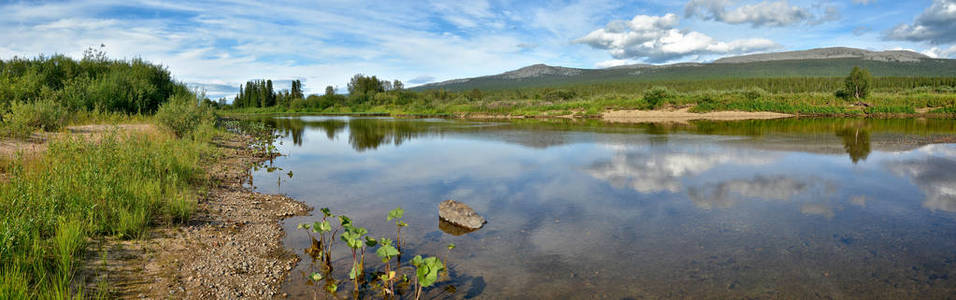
{"x": 453, "y": 229}
{"x": 459, "y": 214}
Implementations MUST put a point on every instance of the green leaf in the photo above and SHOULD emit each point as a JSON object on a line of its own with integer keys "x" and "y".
{"x": 451, "y": 246}
{"x": 361, "y": 231}
{"x": 326, "y": 212}
{"x": 325, "y": 226}
{"x": 402, "y": 224}
{"x": 417, "y": 261}
{"x": 332, "y": 288}
{"x": 427, "y": 270}
{"x": 302, "y": 226}
{"x": 386, "y": 252}
{"x": 371, "y": 242}
{"x": 396, "y": 213}
{"x": 316, "y": 276}
{"x": 316, "y": 227}
{"x": 345, "y": 220}
{"x": 353, "y": 273}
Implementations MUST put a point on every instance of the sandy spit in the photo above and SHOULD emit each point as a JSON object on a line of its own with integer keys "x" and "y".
{"x": 684, "y": 115}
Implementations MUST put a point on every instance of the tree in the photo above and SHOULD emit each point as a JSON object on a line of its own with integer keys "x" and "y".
{"x": 270, "y": 94}
{"x": 330, "y": 91}
{"x": 857, "y": 85}
{"x": 398, "y": 85}
{"x": 296, "y": 92}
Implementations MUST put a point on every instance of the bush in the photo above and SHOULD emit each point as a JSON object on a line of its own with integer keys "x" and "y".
{"x": 754, "y": 93}
{"x": 656, "y": 96}
{"x": 24, "y": 118}
{"x": 842, "y": 94}
{"x": 183, "y": 115}
{"x": 555, "y": 95}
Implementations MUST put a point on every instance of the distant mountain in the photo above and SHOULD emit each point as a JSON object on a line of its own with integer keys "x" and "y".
{"x": 825, "y": 62}
{"x": 828, "y": 53}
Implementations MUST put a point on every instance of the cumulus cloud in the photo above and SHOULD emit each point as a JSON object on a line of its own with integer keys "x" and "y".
{"x": 937, "y": 25}
{"x": 936, "y": 52}
{"x": 656, "y": 39}
{"x": 764, "y": 13}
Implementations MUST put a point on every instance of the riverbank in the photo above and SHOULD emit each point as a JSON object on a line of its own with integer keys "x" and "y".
{"x": 133, "y": 211}
{"x": 230, "y": 248}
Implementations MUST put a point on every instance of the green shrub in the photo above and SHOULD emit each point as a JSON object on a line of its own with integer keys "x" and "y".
{"x": 555, "y": 95}
{"x": 656, "y": 96}
{"x": 24, "y": 118}
{"x": 182, "y": 114}
{"x": 754, "y": 93}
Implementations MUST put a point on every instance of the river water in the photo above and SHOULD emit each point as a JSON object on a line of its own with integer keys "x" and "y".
{"x": 792, "y": 208}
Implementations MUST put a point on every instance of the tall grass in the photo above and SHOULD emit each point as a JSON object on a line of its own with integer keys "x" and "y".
{"x": 117, "y": 185}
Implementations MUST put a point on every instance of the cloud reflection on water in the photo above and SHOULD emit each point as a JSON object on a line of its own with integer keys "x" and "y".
{"x": 934, "y": 173}
{"x": 649, "y": 170}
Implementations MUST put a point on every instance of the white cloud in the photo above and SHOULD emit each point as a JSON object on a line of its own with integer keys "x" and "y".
{"x": 937, "y": 25}
{"x": 763, "y": 13}
{"x": 655, "y": 39}
{"x": 937, "y": 52}
{"x": 864, "y": 2}
{"x": 615, "y": 62}
{"x": 217, "y": 45}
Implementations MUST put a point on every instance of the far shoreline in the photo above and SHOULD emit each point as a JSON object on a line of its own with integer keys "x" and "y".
{"x": 682, "y": 115}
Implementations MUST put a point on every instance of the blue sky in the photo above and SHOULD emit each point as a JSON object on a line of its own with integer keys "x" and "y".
{"x": 220, "y": 44}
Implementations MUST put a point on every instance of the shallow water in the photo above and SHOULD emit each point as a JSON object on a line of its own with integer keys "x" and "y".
{"x": 815, "y": 208}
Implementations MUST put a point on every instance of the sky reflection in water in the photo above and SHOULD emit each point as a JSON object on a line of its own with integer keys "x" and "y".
{"x": 788, "y": 208}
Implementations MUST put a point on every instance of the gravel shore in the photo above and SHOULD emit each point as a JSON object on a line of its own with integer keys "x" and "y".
{"x": 231, "y": 248}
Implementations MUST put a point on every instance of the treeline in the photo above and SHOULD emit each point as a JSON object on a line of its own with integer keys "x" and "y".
{"x": 260, "y": 93}
{"x": 363, "y": 90}
{"x": 91, "y": 83}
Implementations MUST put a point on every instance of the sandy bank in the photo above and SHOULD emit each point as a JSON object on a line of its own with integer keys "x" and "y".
{"x": 684, "y": 115}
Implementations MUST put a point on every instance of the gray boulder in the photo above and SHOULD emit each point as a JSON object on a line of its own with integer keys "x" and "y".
{"x": 459, "y": 214}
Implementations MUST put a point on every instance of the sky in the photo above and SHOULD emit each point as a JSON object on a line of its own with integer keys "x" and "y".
{"x": 218, "y": 45}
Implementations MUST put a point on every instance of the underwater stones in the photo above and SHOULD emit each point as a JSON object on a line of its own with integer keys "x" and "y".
{"x": 460, "y": 214}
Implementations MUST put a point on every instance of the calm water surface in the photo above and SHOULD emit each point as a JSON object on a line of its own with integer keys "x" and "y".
{"x": 753, "y": 209}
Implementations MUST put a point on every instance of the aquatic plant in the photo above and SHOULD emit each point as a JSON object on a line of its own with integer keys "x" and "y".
{"x": 353, "y": 238}
{"x": 386, "y": 252}
{"x": 397, "y": 214}
{"x": 426, "y": 272}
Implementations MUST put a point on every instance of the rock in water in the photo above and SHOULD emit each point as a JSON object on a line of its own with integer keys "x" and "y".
{"x": 460, "y": 214}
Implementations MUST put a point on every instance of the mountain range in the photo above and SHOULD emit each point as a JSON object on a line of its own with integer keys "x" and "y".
{"x": 823, "y": 62}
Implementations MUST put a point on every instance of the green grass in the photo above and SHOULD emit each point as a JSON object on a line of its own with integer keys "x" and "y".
{"x": 117, "y": 186}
